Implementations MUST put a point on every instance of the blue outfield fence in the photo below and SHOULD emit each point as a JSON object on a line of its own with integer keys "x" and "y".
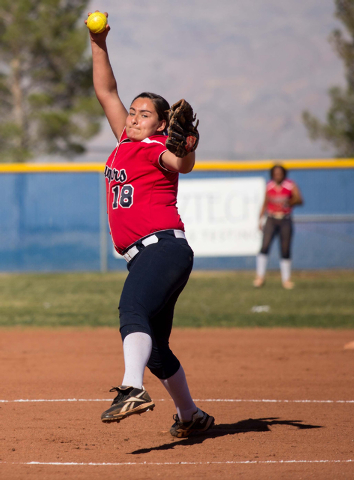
{"x": 54, "y": 219}
{"x": 50, "y": 222}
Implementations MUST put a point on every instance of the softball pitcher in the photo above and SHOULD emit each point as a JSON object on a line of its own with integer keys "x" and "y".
{"x": 142, "y": 180}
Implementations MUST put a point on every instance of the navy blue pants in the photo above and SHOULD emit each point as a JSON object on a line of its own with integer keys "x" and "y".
{"x": 282, "y": 227}
{"x": 157, "y": 276}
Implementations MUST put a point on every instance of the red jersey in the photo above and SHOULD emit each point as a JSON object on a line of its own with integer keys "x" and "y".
{"x": 141, "y": 193}
{"x": 278, "y": 197}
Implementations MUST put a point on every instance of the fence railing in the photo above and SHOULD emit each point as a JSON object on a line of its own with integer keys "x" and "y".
{"x": 210, "y": 165}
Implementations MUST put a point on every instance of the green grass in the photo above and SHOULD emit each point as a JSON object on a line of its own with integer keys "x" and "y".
{"x": 211, "y": 299}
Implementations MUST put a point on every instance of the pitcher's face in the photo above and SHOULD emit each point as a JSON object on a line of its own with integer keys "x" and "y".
{"x": 142, "y": 120}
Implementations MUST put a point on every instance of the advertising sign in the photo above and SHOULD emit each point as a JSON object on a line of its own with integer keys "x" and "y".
{"x": 221, "y": 215}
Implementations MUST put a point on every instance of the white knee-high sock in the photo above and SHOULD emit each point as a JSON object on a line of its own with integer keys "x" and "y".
{"x": 261, "y": 265}
{"x": 285, "y": 269}
{"x": 178, "y": 389}
{"x": 137, "y": 350}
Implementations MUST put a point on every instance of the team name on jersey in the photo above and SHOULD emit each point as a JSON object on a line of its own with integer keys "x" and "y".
{"x": 114, "y": 174}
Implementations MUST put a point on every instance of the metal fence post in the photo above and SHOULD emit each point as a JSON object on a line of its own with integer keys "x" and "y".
{"x": 103, "y": 223}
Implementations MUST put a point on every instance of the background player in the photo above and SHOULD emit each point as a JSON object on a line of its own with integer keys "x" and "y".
{"x": 281, "y": 195}
{"x": 142, "y": 179}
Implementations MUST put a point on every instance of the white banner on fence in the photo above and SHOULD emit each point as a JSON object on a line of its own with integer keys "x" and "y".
{"x": 221, "y": 215}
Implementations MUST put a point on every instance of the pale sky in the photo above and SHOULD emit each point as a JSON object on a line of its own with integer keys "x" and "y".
{"x": 249, "y": 69}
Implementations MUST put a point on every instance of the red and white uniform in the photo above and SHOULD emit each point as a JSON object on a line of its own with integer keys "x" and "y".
{"x": 278, "y": 197}
{"x": 141, "y": 194}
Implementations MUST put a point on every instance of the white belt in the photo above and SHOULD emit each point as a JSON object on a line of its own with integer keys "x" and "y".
{"x": 130, "y": 254}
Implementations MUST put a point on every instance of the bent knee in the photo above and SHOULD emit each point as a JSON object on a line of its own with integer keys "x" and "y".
{"x": 163, "y": 364}
{"x": 132, "y": 322}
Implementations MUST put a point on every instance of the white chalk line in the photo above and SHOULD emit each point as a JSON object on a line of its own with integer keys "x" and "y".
{"x": 122, "y": 464}
{"x": 230, "y": 400}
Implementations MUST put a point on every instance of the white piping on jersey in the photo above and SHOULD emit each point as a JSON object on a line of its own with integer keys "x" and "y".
{"x": 288, "y": 184}
{"x": 163, "y": 166}
{"x": 147, "y": 140}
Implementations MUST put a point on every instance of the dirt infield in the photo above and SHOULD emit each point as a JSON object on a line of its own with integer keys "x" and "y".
{"x": 283, "y": 402}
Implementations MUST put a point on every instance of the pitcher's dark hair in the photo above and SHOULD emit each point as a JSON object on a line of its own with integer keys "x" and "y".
{"x": 161, "y": 106}
{"x": 284, "y": 170}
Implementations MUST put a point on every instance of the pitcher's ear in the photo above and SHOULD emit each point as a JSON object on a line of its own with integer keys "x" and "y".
{"x": 162, "y": 126}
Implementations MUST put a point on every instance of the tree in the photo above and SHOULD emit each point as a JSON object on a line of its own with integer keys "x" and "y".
{"x": 47, "y": 101}
{"x": 339, "y": 128}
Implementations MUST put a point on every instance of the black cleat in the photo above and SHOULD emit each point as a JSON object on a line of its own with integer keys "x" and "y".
{"x": 129, "y": 401}
{"x": 201, "y": 422}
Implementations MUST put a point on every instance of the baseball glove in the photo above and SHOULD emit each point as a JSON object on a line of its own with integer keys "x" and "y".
{"x": 183, "y": 135}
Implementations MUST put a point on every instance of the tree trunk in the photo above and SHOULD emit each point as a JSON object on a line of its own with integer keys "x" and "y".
{"x": 18, "y": 105}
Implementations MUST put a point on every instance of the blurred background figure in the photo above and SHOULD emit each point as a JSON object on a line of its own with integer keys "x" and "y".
{"x": 280, "y": 197}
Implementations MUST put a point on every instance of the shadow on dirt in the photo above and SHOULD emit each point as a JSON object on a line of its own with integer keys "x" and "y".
{"x": 244, "y": 426}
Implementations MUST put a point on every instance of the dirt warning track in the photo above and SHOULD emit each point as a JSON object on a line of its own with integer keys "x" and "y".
{"x": 283, "y": 401}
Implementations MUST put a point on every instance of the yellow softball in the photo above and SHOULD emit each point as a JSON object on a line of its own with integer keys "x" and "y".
{"x": 96, "y": 22}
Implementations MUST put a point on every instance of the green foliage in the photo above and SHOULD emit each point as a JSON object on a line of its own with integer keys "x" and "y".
{"x": 47, "y": 101}
{"x": 339, "y": 129}
{"x": 210, "y": 299}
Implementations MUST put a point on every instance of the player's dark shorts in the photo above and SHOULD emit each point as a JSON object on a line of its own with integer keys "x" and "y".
{"x": 157, "y": 276}
{"x": 278, "y": 226}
